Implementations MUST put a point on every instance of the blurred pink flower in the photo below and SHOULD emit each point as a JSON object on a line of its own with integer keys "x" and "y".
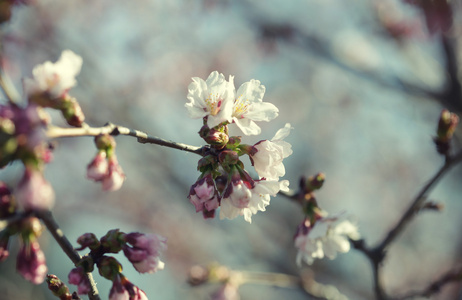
{"x": 123, "y": 289}
{"x": 77, "y": 277}
{"x": 99, "y": 167}
{"x": 34, "y": 191}
{"x": 145, "y": 250}
{"x": 31, "y": 262}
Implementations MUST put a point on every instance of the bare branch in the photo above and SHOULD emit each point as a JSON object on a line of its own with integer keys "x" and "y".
{"x": 112, "y": 129}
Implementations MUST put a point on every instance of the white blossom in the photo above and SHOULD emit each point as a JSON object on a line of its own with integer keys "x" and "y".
{"x": 326, "y": 237}
{"x": 267, "y": 161}
{"x": 55, "y": 78}
{"x": 249, "y": 107}
{"x": 243, "y": 200}
{"x": 212, "y": 98}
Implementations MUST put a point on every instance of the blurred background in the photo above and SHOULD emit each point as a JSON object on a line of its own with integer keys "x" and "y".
{"x": 362, "y": 83}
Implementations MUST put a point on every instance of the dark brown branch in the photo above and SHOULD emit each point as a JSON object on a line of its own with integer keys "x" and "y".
{"x": 112, "y": 129}
{"x": 436, "y": 286}
{"x": 67, "y": 247}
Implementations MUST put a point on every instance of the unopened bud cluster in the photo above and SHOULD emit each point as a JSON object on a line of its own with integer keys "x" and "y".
{"x": 142, "y": 250}
{"x": 224, "y": 182}
{"x": 30, "y": 260}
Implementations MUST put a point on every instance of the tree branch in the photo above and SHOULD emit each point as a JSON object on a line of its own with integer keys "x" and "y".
{"x": 112, "y": 129}
{"x": 67, "y": 247}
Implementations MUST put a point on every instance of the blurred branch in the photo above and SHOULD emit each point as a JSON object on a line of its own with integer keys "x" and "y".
{"x": 112, "y": 129}
{"x": 67, "y": 247}
{"x": 452, "y": 95}
{"x": 436, "y": 286}
{"x": 321, "y": 48}
{"x": 377, "y": 254}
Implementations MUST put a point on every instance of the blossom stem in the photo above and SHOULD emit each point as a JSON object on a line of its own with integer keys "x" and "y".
{"x": 61, "y": 239}
{"x": 112, "y": 129}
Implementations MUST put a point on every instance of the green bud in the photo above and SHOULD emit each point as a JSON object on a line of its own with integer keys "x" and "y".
{"x": 109, "y": 267}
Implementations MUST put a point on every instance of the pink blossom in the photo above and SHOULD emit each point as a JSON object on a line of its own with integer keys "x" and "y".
{"x": 31, "y": 262}
{"x": 34, "y": 191}
{"x": 77, "y": 277}
{"x": 145, "y": 250}
{"x": 99, "y": 167}
{"x": 246, "y": 197}
{"x": 204, "y": 195}
{"x": 123, "y": 289}
{"x": 115, "y": 177}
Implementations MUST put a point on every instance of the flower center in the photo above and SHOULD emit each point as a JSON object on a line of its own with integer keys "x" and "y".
{"x": 240, "y": 107}
{"x": 213, "y": 103}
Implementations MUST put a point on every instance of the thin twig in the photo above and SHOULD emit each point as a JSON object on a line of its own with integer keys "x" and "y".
{"x": 436, "y": 286}
{"x": 418, "y": 201}
{"x": 61, "y": 239}
{"x": 112, "y": 129}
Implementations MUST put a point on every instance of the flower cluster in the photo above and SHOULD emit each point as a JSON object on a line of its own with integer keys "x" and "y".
{"x": 23, "y": 128}
{"x": 142, "y": 250}
{"x": 223, "y": 181}
{"x": 30, "y": 261}
{"x": 320, "y": 235}
{"x": 104, "y": 167}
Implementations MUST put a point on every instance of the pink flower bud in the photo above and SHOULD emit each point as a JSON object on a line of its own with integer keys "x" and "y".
{"x": 31, "y": 262}
{"x": 99, "y": 167}
{"x": 34, "y": 192}
{"x": 123, "y": 289}
{"x": 115, "y": 177}
{"x": 204, "y": 195}
{"x": 145, "y": 251}
{"x": 77, "y": 277}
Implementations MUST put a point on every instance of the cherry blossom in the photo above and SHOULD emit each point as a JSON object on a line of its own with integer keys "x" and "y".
{"x": 212, "y": 98}
{"x": 249, "y": 107}
{"x": 246, "y": 198}
{"x": 326, "y": 237}
{"x": 34, "y": 191}
{"x": 204, "y": 196}
{"x": 267, "y": 160}
{"x": 55, "y": 78}
{"x": 31, "y": 262}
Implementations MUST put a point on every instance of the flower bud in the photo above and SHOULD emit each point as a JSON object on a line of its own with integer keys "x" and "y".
{"x": 105, "y": 142}
{"x": 145, "y": 251}
{"x": 34, "y": 192}
{"x": 72, "y": 112}
{"x": 77, "y": 277}
{"x": 88, "y": 240}
{"x": 98, "y": 167}
{"x": 4, "y": 240}
{"x": 446, "y": 126}
{"x": 215, "y": 137}
{"x": 227, "y": 291}
{"x": 228, "y": 157}
{"x": 7, "y": 203}
{"x": 115, "y": 178}
{"x": 123, "y": 289}
{"x": 31, "y": 262}
{"x": 57, "y": 287}
{"x": 204, "y": 196}
{"x": 109, "y": 267}
{"x": 113, "y": 241}
{"x": 315, "y": 182}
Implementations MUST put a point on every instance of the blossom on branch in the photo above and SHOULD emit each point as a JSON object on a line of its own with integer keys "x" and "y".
{"x": 55, "y": 79}
{"x": 249, "y": 107}
{"x": 326, "y": 237}
{"x": 144, "y": 250}
{"x": 267, "y": 160}
{"x": 212, "y": 98}
{"x": 246, "y": 197}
